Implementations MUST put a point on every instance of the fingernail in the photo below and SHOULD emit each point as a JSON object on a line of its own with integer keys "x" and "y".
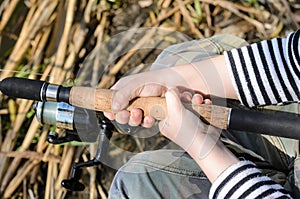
{"x": 197, "y": 99}
{"x": 187, "y": 96}
{"x": 133, "y": 113}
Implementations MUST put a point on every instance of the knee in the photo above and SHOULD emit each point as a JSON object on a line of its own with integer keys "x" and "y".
{"x": 129, "y": 177}
{"x": 132, "y": 178}
{"x": 118, "y": 187}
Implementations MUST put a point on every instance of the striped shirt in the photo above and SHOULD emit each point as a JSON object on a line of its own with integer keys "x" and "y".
{"x": 244, "y": 180}
{"x": 266, "y": 72}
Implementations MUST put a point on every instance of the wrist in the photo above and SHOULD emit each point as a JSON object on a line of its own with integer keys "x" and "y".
{"x": 208, "y": 150}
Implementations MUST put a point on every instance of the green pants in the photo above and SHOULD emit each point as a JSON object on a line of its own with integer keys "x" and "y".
{"x": 172, "y": 173}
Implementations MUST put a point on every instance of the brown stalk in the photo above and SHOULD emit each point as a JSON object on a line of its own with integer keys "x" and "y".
{"x": 19, "y": 154}
{"x": 7, "y": 14}
{"x": 32, "y": 24}
{"x": 106, "y": 79}
{"x": 225, "y": 4}
{"x": 289, "y": 15}
{"x": 101, "y": 192}
{"x": 11, "y": 135}
{"x": 189, "y": 20}
{"x": 100, "y": 35}
{"x": 78, "y": 40}
{"x": 66, "y": 165}
{"x": 39, "y": 51}
{"x": 63, "y": 44}
{"x": 234, "y": 8}
{"x": 49, "y": 181}
{"x": 92, "y": 172}
{"x": 13, "y": 185}
{"x": 260, "y": 27}
{"x": 177, "y": 20}
{"x": 41, "y": 17}
{"x": 165, "y": 15}
{"x": 79, "y": 35}
{"x": 88, "y": 10}
{"x": 9, "y": 141}
{"x": 57, "y": 29}
{"x": 4, "y": 111}
{"x": 166, "y": 4}
{"x": 40, "y": 148}
{"x": 93, "y": 193}
{"x": 24, "y": 188}
{"x": 48, "y": 152}
{"x": 31, "y": 155}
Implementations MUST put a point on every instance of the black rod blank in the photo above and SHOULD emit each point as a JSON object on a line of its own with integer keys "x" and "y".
{"x": 22, "y": 88}
{"x": 33, "y": 89}
{"x": 275, "y": 123}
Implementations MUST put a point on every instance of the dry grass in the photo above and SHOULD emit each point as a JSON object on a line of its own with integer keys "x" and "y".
{"x": 53, "y": 40}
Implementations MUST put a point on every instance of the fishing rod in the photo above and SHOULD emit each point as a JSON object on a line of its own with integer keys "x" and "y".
{"x": 278, "y": 123}
{"x": 73, "y": 109}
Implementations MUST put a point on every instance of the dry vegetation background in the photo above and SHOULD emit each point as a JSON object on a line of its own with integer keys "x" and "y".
{"x": 52, "y": 40}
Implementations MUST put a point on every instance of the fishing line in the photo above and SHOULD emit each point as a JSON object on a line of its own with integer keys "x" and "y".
{"x": 23, "y": 72}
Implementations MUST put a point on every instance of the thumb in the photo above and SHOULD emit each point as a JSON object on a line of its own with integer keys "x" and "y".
{"x": 174, "y": 107}
{"x": 120, "y": 100}
{"x": 174, "y": 104}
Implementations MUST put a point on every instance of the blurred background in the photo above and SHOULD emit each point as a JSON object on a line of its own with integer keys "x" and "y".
{"x": 94, "y": 43}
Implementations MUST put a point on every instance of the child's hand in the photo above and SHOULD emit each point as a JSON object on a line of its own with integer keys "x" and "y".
{"x": 184, "y": 127}
{"x": 127, "y": 89}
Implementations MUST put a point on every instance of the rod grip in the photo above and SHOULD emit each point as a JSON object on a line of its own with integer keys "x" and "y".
{"x": 101, "y": 100}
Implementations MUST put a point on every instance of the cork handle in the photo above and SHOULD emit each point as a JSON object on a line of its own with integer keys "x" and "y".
{"x": 101, "y": 100}
{"x": 91, "y": 98}
{"x": 217, "y": 116}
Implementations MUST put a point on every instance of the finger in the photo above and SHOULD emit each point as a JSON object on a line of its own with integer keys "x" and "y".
{"x": 126, "y": 90}
{"x": 122, "y": 97}
{"x": 186, "y": 96}
{"x": 174, "y": 104}
{"x": 183, "y": 89}
{"x": 135, "y": 118}
{"x": 197, "y": 99}
{"x": 122, "y": 117}
{"x": 208, "y": 102}
{"x": 109, "y": 116}
{"x": 148, "y": 122}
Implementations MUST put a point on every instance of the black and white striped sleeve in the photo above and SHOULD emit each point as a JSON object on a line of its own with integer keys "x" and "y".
{"x": 245, "y": 180}
{"x": 267, "y": 72}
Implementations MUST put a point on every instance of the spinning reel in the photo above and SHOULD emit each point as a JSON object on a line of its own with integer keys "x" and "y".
{"x": 75, "y": 120}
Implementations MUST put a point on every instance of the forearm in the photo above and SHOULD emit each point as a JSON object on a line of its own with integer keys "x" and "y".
{"x": 263, "y": 73}
{"x": 209, "y": 76}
